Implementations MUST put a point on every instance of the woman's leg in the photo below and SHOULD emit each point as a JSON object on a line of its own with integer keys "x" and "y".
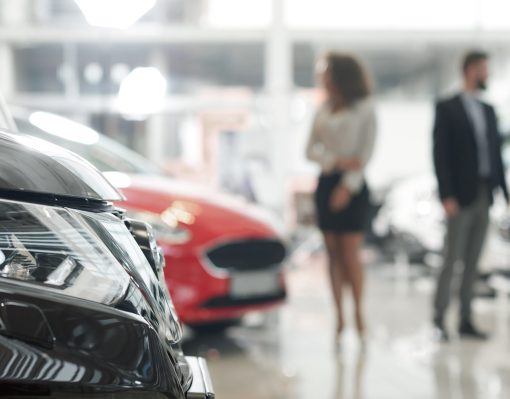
{"x": 350, "y": 256}
{"x": 336, "y": 275}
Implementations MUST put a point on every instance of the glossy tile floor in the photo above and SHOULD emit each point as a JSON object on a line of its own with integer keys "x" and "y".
{"x": 290, "y": 353}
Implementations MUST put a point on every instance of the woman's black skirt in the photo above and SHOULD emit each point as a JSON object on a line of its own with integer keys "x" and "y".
{"x": 353, "y": 218}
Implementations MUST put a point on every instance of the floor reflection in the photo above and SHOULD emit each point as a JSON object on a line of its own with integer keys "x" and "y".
{"x": 291, "y": 353}
{"x": 464, "y": 371}
{"x": 244, "y": 362}
{"x": 350, "y": 370}
{"x": 455, "y": 377}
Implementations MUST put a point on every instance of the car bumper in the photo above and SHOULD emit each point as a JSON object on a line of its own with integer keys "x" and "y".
{"x": 200, "y": 296}
{"x": 201, "y": 387}
{"x": 65, "y": 347}
{"x": 228, "y": 302}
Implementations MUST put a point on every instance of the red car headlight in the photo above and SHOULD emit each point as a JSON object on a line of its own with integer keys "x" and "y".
{"x": 171, "y": 233}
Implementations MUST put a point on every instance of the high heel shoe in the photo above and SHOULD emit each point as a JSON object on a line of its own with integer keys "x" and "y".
{"x": 339, "y": 330}
{"x": 338, "y": 337}
{"x": 362, "y": 333}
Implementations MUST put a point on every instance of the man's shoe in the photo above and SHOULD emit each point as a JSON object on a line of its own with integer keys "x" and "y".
{"x": 440, "y": 332}
{"x": 468, "y": 330}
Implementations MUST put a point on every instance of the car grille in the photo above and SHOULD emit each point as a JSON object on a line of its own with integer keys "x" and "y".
{"x": 229, "y": 302}
{"x": 248, "y": 255}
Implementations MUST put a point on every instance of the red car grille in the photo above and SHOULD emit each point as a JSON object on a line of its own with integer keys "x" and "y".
{"x": 248, "y": 254}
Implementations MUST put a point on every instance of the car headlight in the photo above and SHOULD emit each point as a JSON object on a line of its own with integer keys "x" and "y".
{"x": 55, "y": 249}
{"x": 122, "y": 244}
{"x": 171, "y": 233}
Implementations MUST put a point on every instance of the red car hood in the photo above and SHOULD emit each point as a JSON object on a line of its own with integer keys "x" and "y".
{"x": 217, "y": 215}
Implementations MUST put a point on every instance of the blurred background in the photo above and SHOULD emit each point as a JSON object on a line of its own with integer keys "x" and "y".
{"x": 222, "y": 92}
{"x": 235, "y": 80}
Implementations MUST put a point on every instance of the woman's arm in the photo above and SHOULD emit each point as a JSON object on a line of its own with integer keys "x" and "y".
{"x": 349, "y": 164}
{"x": 353, "y": 179}
{"x": 316, "y": 149}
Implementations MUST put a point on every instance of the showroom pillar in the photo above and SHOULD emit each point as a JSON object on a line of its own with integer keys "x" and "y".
{"x": 155, "y": 126}
{"x": 6, "y": 71}
{"x": 278, "y": 85}
{"x": 14, "y": 15}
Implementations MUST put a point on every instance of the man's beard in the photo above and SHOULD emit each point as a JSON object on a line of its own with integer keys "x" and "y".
{"x": 481, "y": 85}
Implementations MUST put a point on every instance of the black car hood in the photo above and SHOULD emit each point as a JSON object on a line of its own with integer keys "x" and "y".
{"x": 32, "y": 165}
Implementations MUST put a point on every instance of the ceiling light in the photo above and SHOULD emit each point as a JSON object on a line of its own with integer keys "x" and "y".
{"x": 119, "y": 14}
{"x": 142, "y": 92}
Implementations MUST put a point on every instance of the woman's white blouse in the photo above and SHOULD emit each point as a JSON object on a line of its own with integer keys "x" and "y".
{"x": 346, "y": 134}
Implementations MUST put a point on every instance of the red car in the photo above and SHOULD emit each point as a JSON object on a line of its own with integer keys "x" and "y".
{"x": 224, "y": 258}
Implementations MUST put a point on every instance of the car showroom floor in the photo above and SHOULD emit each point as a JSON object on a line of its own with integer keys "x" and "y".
{"x": 290, "y": 353}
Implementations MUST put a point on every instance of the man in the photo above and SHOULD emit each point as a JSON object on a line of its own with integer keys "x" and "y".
{"x": 469, "y": 168}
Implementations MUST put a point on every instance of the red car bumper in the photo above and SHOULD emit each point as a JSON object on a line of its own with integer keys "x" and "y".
{"x": 203, "y": 293}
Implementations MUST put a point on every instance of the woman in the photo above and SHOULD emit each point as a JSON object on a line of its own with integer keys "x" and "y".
{"x": 341, "y": 142}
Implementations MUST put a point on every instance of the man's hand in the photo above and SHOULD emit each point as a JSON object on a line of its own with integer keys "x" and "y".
{"x": 451, "y": 207}
{"x": 340, "y": 198}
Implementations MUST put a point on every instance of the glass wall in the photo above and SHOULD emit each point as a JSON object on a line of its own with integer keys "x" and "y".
{"x": 39, "y": 68}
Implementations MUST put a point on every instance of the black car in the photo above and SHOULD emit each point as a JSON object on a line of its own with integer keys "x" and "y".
{"x": 83, "y": 310}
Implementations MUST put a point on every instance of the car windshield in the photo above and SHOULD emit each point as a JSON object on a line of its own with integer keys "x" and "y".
{"x": 104, "y": 153}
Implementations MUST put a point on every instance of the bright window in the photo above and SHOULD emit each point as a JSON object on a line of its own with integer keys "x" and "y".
{"x": 238, "y": 14}
{"x": 495, "y": 14}
{"x": 383, "y": 14}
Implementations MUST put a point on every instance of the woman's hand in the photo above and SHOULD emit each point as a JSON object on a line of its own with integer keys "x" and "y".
{"x": 340, "y": 198}
{"x": 348, "y": 164}
{"x": 451, "y": 207}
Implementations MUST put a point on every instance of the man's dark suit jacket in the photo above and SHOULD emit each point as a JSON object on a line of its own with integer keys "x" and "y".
{"x": 456, "y": 155}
